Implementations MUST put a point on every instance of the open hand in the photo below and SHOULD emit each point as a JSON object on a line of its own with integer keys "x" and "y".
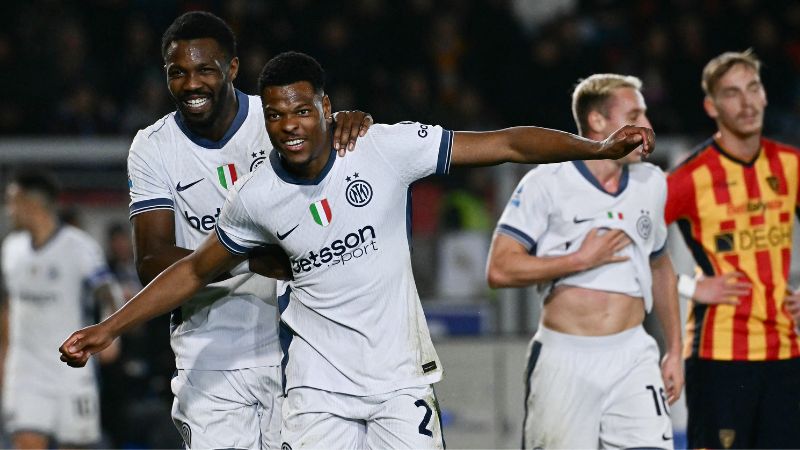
{"x": 601, "y": 248}
{"x": 722, "y": 289}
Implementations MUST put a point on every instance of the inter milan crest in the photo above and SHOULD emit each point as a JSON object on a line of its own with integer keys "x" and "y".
{"x": 358, "y": 192}
{"x": 644, "y": 225}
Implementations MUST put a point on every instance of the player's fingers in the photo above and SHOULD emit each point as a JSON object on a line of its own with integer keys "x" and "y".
{"x": 617, "y": 258}
{"x": 73, "y": 344}
{"x": 648, "y": 141}
{"x": 621, "y": 245}
{"x": 728, "y": 300}
{"x": 730, "y": 275}
{"x": 77, "y": 362}
{"x": 337, "y": 133}
{"x": 622, "y": 238}
{"x": 353, "y": 137}
{"x": 365, "y": 124}
{"x": 634, "y": 138}
{"x": 736, "y": 291}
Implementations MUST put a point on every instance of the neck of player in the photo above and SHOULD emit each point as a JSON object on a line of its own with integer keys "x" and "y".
{"x": 311, "y": 169}
{"x": 43, "y": 228}
{"x": 743, "y": 148}
{"x": 608, "y": 173}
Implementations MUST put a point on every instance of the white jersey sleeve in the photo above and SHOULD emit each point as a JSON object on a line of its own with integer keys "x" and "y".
{"x": 525, "y": 217}
{"x": 236, "y": 229}
{"x": 413, "y": 149}
{"x": 660, "y": 225}
{"x": 93, "y": 264}
{"x": 149, "y": 188}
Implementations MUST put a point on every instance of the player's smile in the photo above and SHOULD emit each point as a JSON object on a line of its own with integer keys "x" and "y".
{"x": 296, "y": 121}
{"x": 294, "y": 144}
{"x": 198, "y": 77}
{"x": 196, "y": 104}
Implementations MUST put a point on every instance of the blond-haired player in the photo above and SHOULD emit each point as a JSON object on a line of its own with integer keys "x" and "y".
{"x": 592, "y": 233}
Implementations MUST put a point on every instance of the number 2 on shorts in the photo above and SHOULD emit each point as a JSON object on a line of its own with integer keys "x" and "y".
{"x": 423, "y": 426}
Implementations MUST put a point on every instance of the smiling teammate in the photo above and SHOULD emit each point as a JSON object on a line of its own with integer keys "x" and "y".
{"x": 227, "y": 387}
{"x": 358, "y": 359}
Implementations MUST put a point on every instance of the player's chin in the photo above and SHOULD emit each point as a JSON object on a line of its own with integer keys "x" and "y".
{"x": 293, "y": 157}
{"x": 195, "y": 118}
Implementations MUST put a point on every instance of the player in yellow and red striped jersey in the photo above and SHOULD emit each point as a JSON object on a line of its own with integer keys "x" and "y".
{"x": 734, "y": 201}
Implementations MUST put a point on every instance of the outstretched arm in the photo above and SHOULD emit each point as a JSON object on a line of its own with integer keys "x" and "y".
{"x": 170, "y": 289}
{"x": 510, "y": 265}
{"x": 535, "y": 145}
{"x": 665, "y": 304}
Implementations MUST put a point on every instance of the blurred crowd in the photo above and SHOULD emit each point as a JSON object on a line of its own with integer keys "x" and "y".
{"x": 93, "y": 67}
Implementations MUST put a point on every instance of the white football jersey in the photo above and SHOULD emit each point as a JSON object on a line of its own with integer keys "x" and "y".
{"x": 50, "y": 295}
{"x": 224, "y": 326}
{"x": 351, "y": 318}
{"x": 556, "y": 205}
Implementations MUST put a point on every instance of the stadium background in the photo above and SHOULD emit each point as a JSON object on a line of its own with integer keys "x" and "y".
{"x": 78, "y": 78}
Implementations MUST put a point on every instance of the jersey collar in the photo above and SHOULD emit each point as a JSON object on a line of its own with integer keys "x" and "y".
{"x": 277, "y": 164}
{"x": 623, "y": 181}
{"x": 51, "y": 238}
{"x": 718, "y": 147}
{"x": 241, "y": 115}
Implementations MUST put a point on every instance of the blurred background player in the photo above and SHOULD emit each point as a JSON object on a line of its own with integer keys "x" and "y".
{"x": 734, "y": 201}
{"x": 228, "y": 385}
{"x": 337, "y": 220}
{"x": 53, "y": 274}
{"x": 592, "y": 233}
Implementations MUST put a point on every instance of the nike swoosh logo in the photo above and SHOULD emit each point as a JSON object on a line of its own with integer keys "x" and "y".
{"x": 283, "y": 236}
{"x": 180, "y": 188}
{"x": 576, "y": 220}
{"x": 665, "y": 437}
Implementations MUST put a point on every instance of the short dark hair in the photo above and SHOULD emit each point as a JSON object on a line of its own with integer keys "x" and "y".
{"x": 38, "y": 181}
{"x": 292, "y": 67}
{"x": 198, "y": 25}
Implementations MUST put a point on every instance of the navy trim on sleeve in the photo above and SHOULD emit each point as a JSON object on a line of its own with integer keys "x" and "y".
{"x": 519, "y": 236}
{"x": 154, "y": 203}
{"x": 658, "y": 252}
{"x": 445, "y": 152}
{"x": 230, "y": 245}
{"x": 99, "y": 276}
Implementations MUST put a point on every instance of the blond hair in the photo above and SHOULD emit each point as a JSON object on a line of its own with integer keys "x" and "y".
{"x": 719, "y": 66}
{"x": 592, "y": 94}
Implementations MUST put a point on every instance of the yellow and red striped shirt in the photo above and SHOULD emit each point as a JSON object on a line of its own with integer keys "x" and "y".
{"x": 738, "y": 216}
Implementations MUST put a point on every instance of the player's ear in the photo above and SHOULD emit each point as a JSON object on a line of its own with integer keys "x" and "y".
{"x": 233, "y": 68}
{"x": 326, "y": 108}
{"x": 710, "y": 107}
{"x": 596, "y": 122}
